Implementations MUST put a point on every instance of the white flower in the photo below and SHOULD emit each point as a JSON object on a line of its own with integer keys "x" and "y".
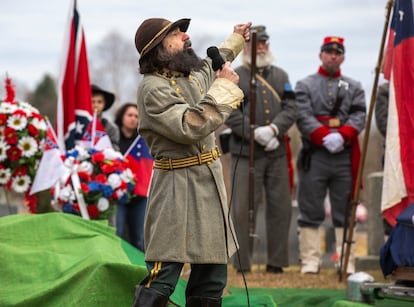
{"x": 3, "y": 150}
{"x": 111, "y": 154}
{"x": 82, "y": 153}
{"x": 66, "y": 194}
{"x": 114, "y": 181}
{"x": 7, "y": 108}
{"x": 39, "y": 124}
{"x": 28, "y": 146}
{"x": 17, "y": 122}
{"x": 28, "y": 107}
{"x": 127, "y": 175}
{"x": 21, "y": 183}
{"x": 5, "y": 174}
{"x": 103, "y": 204}
{"x": 86, "y": 166}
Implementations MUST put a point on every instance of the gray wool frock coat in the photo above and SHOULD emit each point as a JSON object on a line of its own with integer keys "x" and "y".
{"x": 187, "y": 218}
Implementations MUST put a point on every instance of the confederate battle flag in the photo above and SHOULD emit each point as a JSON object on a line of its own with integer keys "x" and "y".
{"x": 74, "y": 92}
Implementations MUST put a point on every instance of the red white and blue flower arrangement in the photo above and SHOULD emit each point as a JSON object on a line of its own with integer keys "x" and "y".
{"x": 22, "y": 137}
{"x": 105, "y": 180}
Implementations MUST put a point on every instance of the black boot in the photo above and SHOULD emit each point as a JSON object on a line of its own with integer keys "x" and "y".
{"x": 199, "y": 301}
{"x": 147, "y": 297}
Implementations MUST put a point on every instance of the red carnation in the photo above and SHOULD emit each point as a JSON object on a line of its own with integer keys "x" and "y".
{"x": 93, "y": 211}
{"x": 98, "y": 157}
{"x": 14, "y": 153}
{"x": 123, "y": 186}
{"x": 101, "y": 178}
{"x": 10, "y": 136}
{"x": 84, "y": 187}
{"x": 20, "y": 112}
{"x": 83, "y": 176}
{"x": 76, "y": 207}
{"x": 3, "y": 119}
{"x": 108, "y": 168}
{"x": 33, "y": 131}
{"x": 9, "y": 91}
{"x": 37, "y": 115}
{"x": 31, "y": 202}
{"x": 20, "y": 170}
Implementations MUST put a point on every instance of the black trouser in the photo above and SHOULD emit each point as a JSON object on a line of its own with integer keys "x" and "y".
{"x": 206, "y": 280}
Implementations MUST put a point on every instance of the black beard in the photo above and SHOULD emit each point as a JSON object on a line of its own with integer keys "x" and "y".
{"x": 183, "y": 61}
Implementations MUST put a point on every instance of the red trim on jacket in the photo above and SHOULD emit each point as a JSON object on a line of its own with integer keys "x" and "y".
{"x": 349, "y": 133}
{"x": 325, "y": 73}
{"x": 318, "y": 134}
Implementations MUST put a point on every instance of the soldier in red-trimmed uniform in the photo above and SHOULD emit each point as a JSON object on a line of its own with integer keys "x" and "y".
{"x": 331, "y": 114}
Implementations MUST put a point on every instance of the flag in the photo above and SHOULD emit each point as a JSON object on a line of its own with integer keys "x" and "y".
{"x": 74, "y": 92}
{"x": 398, "y": 184}
{"x": 95, "y": 135}
{"x": 51, "y": 166}
{"x": 140, "y": 162}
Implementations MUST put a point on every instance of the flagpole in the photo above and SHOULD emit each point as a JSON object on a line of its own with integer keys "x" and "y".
{"x": 79, "y": 196}
{"x": 355, "y": 199}
{"x": 132, "y": 145}
{"x": 93, "y": 133}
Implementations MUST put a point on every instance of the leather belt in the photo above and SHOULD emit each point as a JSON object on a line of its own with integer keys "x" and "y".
{"x": 170, "y": 164}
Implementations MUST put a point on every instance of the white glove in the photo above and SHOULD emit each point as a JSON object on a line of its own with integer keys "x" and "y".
{"x": 264, "y": 134}
{"x": 272, "y": 145}
{"x": 334, "y": 142}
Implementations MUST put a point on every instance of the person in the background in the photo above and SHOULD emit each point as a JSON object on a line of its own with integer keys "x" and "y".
{"x": 381, "y": 107}
{"x": 381, "y": 119}
{"x": 275, "y": 114}
{"x": 331, "y": 114}
{"x": 101, "y": 101}
{"x": 130, "y": 216}
{"x": 182, "y": 101}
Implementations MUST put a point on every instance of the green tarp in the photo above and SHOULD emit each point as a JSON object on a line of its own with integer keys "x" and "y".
{"x": 57, "y": 259}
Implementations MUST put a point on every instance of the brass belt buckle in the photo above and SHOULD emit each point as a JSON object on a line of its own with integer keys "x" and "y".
{"x": 334, "y": 122}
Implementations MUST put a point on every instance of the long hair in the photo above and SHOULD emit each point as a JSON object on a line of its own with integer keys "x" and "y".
{"x": 121, "y": 111}
{"x": 150, "y": 63}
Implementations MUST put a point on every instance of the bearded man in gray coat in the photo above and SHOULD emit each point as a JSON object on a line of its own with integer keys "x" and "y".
{"x": 181, "y": 102}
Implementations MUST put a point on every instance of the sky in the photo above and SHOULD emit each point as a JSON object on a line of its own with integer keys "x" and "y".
{"x": 32, "y": 32}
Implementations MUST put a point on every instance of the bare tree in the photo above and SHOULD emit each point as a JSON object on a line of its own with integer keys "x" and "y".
{"x": 113, "y": 65}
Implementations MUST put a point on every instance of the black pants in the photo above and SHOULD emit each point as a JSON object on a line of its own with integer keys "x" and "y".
{"x": 206, "y": 280}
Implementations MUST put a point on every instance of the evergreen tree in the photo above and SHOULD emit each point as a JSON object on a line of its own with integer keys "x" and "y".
{"x": 44, "y": 98}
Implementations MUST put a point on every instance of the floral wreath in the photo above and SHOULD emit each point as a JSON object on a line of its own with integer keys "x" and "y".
{"x": 22, "y": 137}
{"x": 105, "y": 180}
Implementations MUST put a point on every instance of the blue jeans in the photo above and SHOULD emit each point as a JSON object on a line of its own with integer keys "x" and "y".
{"x": 130, "y": 217}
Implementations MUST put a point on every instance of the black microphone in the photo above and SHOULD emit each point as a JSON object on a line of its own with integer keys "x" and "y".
{"x": 215, "y": 56}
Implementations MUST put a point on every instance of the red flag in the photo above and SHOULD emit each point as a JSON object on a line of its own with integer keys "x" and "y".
{"x": 74, "y": 92}
{"x": 398, "y": 186}
{"x": 140, "y": 162}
